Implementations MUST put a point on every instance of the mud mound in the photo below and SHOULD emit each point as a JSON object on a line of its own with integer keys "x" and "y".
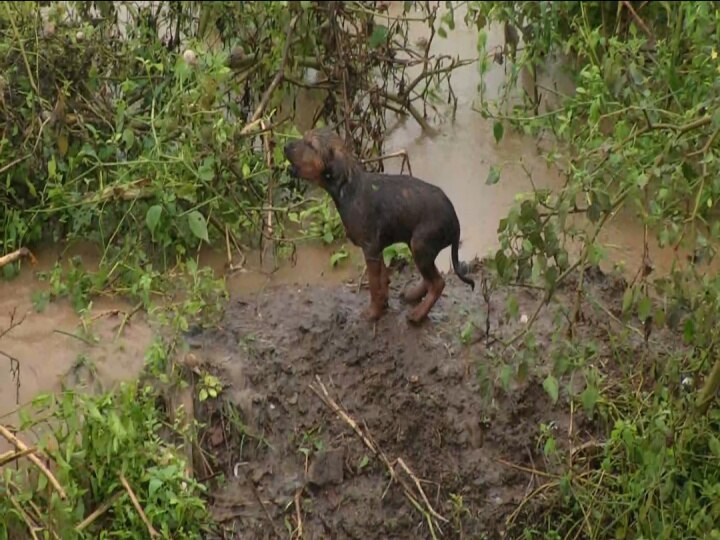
{"x": 414, "y": 389}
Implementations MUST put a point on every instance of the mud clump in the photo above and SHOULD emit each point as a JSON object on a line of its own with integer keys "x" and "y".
{"x": 415, "y": 390}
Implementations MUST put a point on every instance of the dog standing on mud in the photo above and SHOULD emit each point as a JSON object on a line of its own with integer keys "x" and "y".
{"x": 378, "y": 210}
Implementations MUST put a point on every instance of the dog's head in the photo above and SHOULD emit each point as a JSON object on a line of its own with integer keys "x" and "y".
{"x": 320, "y": 157}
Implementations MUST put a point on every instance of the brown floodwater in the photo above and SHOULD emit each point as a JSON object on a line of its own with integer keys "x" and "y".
{"x": 54, "y": 350}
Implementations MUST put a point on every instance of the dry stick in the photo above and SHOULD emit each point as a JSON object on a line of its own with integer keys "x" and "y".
{"x": 638, "y": 20}
{"x": 16, "y": 255}
{"x": 298, "y": 513}
{"x": 100, "y": 510}
{"x": 710, "y": 389}
{"x": 18, "y": 444}
{"x": 400, "y": 153}
{"x": 324, "y": 396}
{"x": 271, "y": 186}
{"x": 126, "y": 318}
{"x": 14, "y": 162}
{"x": 136, "y": 504}
{"x": 25, "y": 517}
{"x": 526, "y": 469}
{"x": 11, "y": 456}
{"x": 275, "y": 82}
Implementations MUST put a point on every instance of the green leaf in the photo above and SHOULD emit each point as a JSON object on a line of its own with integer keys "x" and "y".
{"x": 513, "y": 307}
{"x": 467, "y": 332}
{"x": 206, "y": 173}
{"x": 197, "y": 224}
{"x": 498, "y": 130}
{"x": 522, "y": 371}
{"x": 152, "y": 217}
{"x": 203, "y": 394}
{"x": 716, "y": 119}
{"x": 379, "y": 36}
{"x": 441, "y": 32}
{"x": 714, "y": 445}
{"x": 493, "y": 176}
{"x": 644, "y": 308}
{"x": 52, "y": 167}
{"x": 128, "y": 137}
{"x": 212, "y": 392}
{"x": 338, "y": 256}
{"x": 505, "y": 374}
{"x": 42, "y": 482}
{"x": 552, "y": 388}
{"x": 627, "y": 299}
{"x": 363, "y": 462}
{"x": 589, "y": 398}
{"x": 153, "y": 486}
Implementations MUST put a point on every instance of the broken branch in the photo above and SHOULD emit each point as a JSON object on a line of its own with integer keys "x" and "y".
{"x": 22, "y": 447}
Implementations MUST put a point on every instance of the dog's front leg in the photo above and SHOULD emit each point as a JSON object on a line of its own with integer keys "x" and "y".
{"x": 378, "y": 299}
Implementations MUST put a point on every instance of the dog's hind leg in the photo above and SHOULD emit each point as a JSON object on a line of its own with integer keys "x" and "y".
{"x": 424, "y": 253}
{"x": 414, "y": 293}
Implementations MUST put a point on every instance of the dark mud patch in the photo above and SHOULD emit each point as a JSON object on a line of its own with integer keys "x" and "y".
{"x": 418, "y": 391}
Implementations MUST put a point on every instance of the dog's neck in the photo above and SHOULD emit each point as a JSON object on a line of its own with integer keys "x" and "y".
{"x": 341, "y": 186}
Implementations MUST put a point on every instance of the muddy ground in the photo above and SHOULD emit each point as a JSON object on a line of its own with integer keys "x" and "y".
{"x": 415, "y": 390}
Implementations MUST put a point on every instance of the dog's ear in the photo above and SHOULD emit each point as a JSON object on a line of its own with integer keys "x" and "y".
{"x": 335, "y": 166}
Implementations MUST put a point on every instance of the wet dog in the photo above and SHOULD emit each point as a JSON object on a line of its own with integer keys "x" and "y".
{"x": 378, "y": 210}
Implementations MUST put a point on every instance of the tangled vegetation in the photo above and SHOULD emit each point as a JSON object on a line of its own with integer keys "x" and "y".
{"x": 155, "y": 130}
{"x": 638, "y": 134}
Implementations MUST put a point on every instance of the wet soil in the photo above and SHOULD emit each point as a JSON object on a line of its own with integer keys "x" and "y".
{"x": 415, "y": 390}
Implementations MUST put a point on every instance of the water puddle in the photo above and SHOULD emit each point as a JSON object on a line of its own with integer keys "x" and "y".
{"x": 53, "y": 350}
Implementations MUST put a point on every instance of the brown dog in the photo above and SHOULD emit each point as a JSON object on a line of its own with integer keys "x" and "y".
{"x": 379, "y": 210}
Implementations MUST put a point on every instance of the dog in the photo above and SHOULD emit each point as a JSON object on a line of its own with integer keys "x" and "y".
{"x": 378, "y": 210}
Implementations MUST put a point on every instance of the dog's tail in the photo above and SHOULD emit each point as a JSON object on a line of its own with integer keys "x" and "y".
{"x": 456, "y": 262}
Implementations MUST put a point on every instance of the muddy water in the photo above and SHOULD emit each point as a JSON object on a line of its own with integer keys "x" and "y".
{"x": 457, "y": 159}
{"x": 54, "y": 349}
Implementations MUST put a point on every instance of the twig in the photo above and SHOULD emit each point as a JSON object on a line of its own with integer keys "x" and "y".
{"x": 126, "y": 318}
{"x": 511, "y": 518}
{"x": 99, "y": 511}
{"x": 9, "y": 457}
{"x": 526, "y": 469}
{"x": 136, "y": 504}
{"x": 276, "y": 80}
{"x": 16, "y": 255}
{"x": 25, "y": 517}
{"x": 298, "y": 513}
{"x": 23, "y": 52}
{"x": 638, "y": 20}
{"x": 427, "y": 510}
{"x": 14, "y": 162}
{"x": 710, "y": 389}
{"x": 400, "y": 153}
{"x": 79, "y": 338}
{"x": 13, "y": 324}
{"x": 19, "y": 445}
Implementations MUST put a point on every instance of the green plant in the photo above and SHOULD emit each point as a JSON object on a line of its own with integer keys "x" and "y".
{"x": 638, "y": 133}
{"x": 96, "y": 443}
{"x": 209, "y": 387}
{"x": 397, "y": 253}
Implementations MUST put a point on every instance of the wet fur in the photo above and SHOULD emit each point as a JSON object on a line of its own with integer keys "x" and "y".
{"x": 378, "y": 210}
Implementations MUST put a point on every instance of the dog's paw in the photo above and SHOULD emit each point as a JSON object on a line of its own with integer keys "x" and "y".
{"x": 373, "y": 314}
{"x": 416, "y": 317}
